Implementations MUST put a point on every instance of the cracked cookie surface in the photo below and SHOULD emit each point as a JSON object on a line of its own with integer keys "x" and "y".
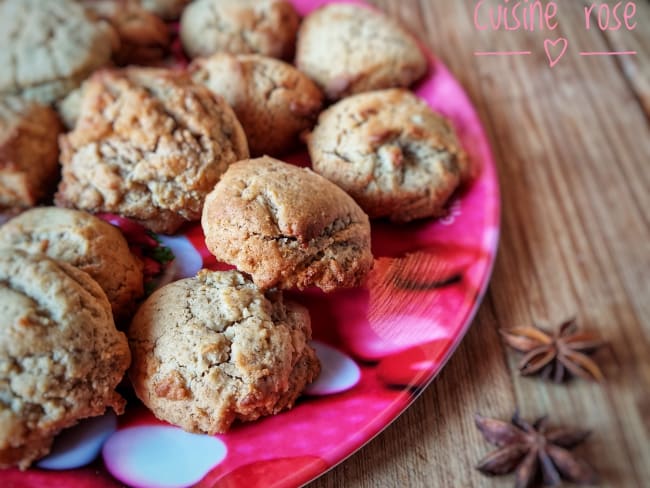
{"x": 273, "y": 101}
{"x": 265, "y": 27}
{"x": 61, "y": 356}
{"x": 287, "y": 227}
{"x": 149, "y": 144}
{"x": 29, "y": 152}
{"x": 86, "y": 242}
{"x": 214, "y": 349}
{"x": 348, "y": 49}
{"x": 49, "y": 47}
{"x": 393, "y": 154}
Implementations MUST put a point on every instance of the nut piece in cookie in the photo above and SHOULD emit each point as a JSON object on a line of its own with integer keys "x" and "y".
{"x": 29, "y": 152}
{"x": 214, "y": 349}
{"x": 50, "y": 47}
{"x": 287, "y": 227}
{"x": 348, "y": 49}
{"x": 273, "y": 101}
{"x": 61, "y": 356}
{"x": 144, "y": 37}
{"x": 393, "y": 154}
{"x": 85, "y": 242}
{"x": 149, "y": 144}
{"x": 265, "y": 27}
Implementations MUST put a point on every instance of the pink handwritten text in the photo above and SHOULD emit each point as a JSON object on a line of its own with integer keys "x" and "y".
{"x": 610, "y": 17}
{"x": 542, "y": 15}
{"x": 512, "y": 16}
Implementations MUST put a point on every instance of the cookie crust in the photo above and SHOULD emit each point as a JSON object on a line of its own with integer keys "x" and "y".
{"x": 86, "y": 242}
{"x": 28, "y": 152}
{"x": 61, "y": 356}
{"x": 348, "y": 49}
{"x": 265, "y": 27}
{"x": 273, "y": 101}
{"x": 45, "y": 67}
{"x": 149, "y": 145}
{"x": 214, "y": 349}
{"x": 287, "y": 227}
{"x": 393, "y": 154}
{"x": 143, "y": 36}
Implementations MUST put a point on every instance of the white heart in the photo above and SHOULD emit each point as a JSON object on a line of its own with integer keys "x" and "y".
{"x": 159, "y": 456}
{"x": 80, "y": 445}
{"x": 338, "y": 371}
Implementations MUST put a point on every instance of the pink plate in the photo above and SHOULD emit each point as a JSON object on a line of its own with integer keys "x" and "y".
{"x": 380, "y": 345}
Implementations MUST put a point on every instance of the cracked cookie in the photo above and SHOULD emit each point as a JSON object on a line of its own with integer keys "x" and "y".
{"x": 61, "y": 356}
{"x": 49, "y": 47}
{"x": 86, "y": 242}
{"x": 348, "y": 49}
{"x": 149, "y": 144}
{"x": 144, "y": 37}
{"x": 265, "y": 27}
{"x": 287, "y": 227}
{"x": 214, "y": 349}
{"x": 273, "y": 100}
{"x": 393, "y": 154}
{"x": 29, "y": 152}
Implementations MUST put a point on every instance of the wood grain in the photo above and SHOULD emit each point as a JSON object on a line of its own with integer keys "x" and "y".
{"x": 572, "y": 146}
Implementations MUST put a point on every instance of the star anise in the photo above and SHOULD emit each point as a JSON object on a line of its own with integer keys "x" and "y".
{"x": 533, "y": 452}
{"x": 556, "y": 355}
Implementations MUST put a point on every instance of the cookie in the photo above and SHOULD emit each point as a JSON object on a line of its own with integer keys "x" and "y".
{"x": 85, "y": 242}
{"x": 273, "y": 101}
{"x": 265, "y": 27}
{"x": 61, "y": 356}
{"x": 149, "y": 144}
{"x": 49, "y": 47}
{"x": 166, "y": 9}
{"x": 349, "y": 49}
{"x": 393, "y": 154}
{"x": 214, "y": 349}
{"x": 144, "y": 37}
{"x": 287, "y": 227}
{"x": 70, "y": 106}
{"x": 29, "y": 152}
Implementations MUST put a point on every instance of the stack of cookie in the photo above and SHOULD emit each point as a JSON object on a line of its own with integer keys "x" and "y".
{"x": 168, "y": 147}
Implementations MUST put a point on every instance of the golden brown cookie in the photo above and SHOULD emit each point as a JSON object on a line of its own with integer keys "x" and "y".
{"x": 29, "y": 152}
{"x": 393, "y": 154}
{"x": 287, "y": 227}
{"x": 61, "y": 356}
{"x": 214, "y": 349}
{"x": 348, "y": 49}
{"x": 273, "y": 100}
{"x": 85, "y": 242}
{"x": 265, "y": 27}
{"x": 149, "y": 144}
{"x": 49, "y": 47}
{"x": 144, "y": 37}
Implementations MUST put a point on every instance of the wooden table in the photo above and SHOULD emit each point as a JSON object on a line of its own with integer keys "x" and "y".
{"x": 572, "y": 145}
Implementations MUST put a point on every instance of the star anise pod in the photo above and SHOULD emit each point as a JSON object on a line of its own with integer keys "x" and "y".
{"x": 533, "y": 452}
{"x": 556, "y": 355}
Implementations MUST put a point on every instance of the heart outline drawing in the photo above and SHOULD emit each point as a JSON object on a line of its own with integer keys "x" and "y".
{"x": 553, "y": 60}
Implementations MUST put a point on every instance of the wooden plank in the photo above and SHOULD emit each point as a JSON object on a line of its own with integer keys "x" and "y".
{"x": 573, "y": 151}
{"x": 636, "y": 69}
